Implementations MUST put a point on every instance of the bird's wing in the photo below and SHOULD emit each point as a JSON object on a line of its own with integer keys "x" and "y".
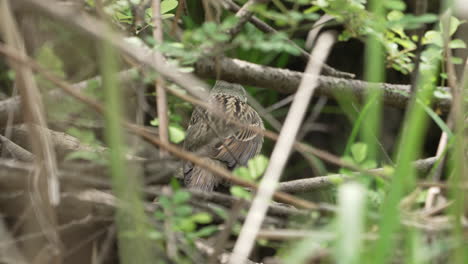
{"x": 241, "y": 144}
{"x": 210, "y": 136}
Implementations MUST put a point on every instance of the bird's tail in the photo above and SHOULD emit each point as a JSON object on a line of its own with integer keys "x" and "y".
{"x": 202, "y": 179}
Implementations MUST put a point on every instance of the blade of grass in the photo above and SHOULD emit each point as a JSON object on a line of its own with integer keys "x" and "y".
{"x": 374, "y": 73}
{"x": 411, "y": 139}
{"x": 130, "y": 217}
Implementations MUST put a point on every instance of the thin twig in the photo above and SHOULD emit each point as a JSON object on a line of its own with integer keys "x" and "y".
{"x": 46, "y": 188}
{"x": 161, "y": 97}
{"x": 320, "y": 182}
{"x": 420, "y": 8}
{"x": 288, "y": 234}
{"x": 34, "y": 109}
{"x": 243, "y": 14}
{"x": 282, "y": 149}
{"x": 16, "y": 151}
{"x": 223, "y": 236}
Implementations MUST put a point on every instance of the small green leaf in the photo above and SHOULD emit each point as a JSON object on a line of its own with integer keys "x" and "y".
{"x": 395, "y": 5}
{"x": 257, "y": 166}
{"x": 164, "y": 201}
{"x": 456, "y": 60}
{"x": 359, "y": 151}
{"x": 154, "y": 122}
{"x": 433, "y": 37}
{"x": 166, "y": 16}
{"x": 202, "y": 218}
{"x": 176, "y": 134}
{"x": 457, "y": 44}
{"x": 454, "y": 24}
{"x": 185, "y": 225}
{"x": 181, "y": 197}
{"x": 168, "y": 5}
{"x": 369, "y": 164}
{"x": 221, "y": 212}
{"x": 242, "y": 172}
{"x": 240, "y": 192}
{"x": 183, "y": 210}
{"x": 205, "y": 231}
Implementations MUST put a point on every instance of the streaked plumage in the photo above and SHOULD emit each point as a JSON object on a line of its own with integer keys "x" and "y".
{"x": 219, "y": 141}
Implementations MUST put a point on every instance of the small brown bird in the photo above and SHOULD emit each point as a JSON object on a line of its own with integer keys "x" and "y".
{"x": 217, "y": 140}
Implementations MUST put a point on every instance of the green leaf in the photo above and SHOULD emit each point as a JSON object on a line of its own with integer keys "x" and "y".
{"x": 164, "y": 201}
{"x": 202, "y": 218}
{"x": 176, "y": 134}
{"x": 168, "y": 5}
{"x": 395, "y": 5}
{"x": 369, "y": 164}
{"x": 359, "y": 151}
{"x": 154, "y": 122}
{"x": 221, "y": 212}
{"x": 205, "y": 231}
{"x": 456, "y": 60}
{"x": 454, "y": 24}
{"x": 181, "y": 197}
{"x": 185, "y": 225}
{"x": 240, "y": 192}
{"x": 166, "y": 16}
{"x": 433, "y": 37}
{"x": 242, "y": 172}
{"x": 257, "y": 166}
{"x": 182, "y": 210}
{"x": 457, "y": 44}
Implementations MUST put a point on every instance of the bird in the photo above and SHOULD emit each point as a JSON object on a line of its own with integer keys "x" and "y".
{"x": 217, "y": 140}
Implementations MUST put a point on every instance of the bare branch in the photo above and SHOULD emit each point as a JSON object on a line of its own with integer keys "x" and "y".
{"x": 244, "y": 14}
{"x": 320, "y": 182}
{"x": 15, "y": 151}
{"x": 161, "y": 97}
{"x": 287, "y": 81}
{"x": 34, "y": 110}
{"x": 13, "y": 104}
{"x": 282, "y": 149}
{"x": 45, "y": 193}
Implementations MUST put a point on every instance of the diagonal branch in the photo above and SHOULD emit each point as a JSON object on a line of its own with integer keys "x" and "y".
{"x": 280, "y": 154}
{"x": 46, "y": 193}
{"x": 244, "y": 14}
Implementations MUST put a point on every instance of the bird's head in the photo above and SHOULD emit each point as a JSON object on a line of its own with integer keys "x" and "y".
{"x": 232, "y": 89}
